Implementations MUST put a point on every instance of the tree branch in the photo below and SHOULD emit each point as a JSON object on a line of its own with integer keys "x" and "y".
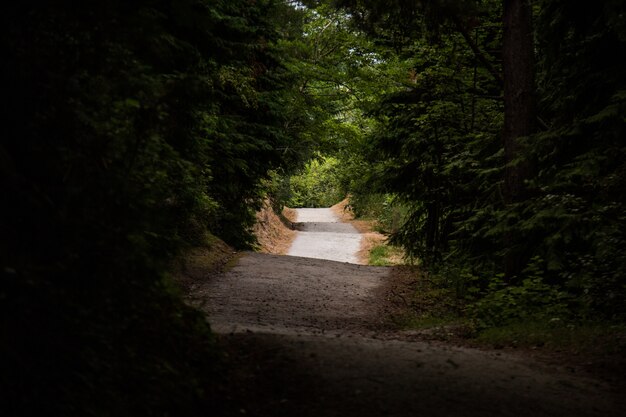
{"x": 479, "y": 54}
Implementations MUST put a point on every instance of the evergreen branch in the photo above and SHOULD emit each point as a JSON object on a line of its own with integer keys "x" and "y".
{"x": 477, "y": 52}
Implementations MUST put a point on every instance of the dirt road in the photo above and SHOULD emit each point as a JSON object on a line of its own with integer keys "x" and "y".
{"x": 314, "y": 332}
{"x": 323, "y": 236}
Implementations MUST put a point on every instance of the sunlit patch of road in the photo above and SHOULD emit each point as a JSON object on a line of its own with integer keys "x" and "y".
{"x": 322, "y": 235}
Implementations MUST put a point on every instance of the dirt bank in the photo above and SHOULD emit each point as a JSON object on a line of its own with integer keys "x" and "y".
{"x": 274, "y": 232}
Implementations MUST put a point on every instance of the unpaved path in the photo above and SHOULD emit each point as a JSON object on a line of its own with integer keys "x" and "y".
{"x": 313, "y": 330}
{"x": 322, "y": 235}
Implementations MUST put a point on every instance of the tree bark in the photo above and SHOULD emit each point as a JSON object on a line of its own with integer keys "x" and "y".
{"x": 519, "y": 109}
{"x": 519, "y": 91}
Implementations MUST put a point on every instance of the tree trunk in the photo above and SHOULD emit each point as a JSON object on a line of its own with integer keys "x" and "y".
{"x": 432, "y": 229}
{"x": 519, "y": 109}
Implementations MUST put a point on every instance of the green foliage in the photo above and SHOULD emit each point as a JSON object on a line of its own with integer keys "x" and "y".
{"x": 333, "y": 69}
{"x": 533, "y": 300}
{"x": 340, "y": 74}
{"x": 317, "y": 185}
{"x": 572, "y": 216}
{"x": 385, "y": 209}
{"x": 435, "y": 141}
{"x": 575, "y": 217}
{"x": 435, "y": 146}
{"x": 133, "y": 127}
{"x": 385, "y": 255}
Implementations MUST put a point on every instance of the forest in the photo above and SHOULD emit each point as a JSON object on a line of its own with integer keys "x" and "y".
{"x": 487, "y": 138}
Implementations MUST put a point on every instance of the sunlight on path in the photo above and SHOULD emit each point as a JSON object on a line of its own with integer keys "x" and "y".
{"x": 322, "y": 235}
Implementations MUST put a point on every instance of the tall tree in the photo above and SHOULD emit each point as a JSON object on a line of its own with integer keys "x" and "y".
{"x": 131, "y": 128}
{"x": 519, "y": 109}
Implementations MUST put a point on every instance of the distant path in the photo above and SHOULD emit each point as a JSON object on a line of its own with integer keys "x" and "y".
{"x": 322, "y": 235}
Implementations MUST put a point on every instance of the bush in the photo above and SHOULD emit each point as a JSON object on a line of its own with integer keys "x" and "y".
{"x": 533, "y": 300}
{"x": 317, "y": 185}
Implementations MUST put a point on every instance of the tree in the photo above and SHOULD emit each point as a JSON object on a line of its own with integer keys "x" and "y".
{"x": 133, "y": 129}
{"x": 436, "y": 119}
{"x": 339, "y": 75}
{"x": 519, "y": 111}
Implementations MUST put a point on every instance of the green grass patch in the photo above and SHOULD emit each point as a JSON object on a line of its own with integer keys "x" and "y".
{"x": 385, "y": 255}
{"x": 379, "y": 255}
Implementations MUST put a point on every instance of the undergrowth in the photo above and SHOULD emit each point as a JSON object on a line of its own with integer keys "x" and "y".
{"x": 524, "y": 316}
{"x": 385, "y": 255}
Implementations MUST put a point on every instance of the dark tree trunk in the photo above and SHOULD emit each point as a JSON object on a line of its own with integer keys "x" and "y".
{"x": 432, "y": 229}
{"x": 519, "y": 108}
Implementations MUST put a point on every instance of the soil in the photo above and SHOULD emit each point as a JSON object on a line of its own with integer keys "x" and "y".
{"x": 311, "y": 337}
{"x": 274, "y": 232}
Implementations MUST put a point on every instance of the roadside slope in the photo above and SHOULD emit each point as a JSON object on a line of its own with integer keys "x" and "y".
{"x": 274, "y": 232}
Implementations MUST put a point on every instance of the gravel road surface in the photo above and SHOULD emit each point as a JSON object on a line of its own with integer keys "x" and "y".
{"x": 314, "y": 331}
{"x": 321, "y": 235}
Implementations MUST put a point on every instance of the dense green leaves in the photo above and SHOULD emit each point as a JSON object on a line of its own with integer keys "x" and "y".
{"x": 435, "y": 144}
{"x": 578, "y": 214}
{"x": 132, "y": 129}
{"x": 317, "y": 185}
{"x": 437, "y": 149}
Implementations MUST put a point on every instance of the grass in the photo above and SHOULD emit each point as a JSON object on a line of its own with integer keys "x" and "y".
{"x": 385, "y": 255}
